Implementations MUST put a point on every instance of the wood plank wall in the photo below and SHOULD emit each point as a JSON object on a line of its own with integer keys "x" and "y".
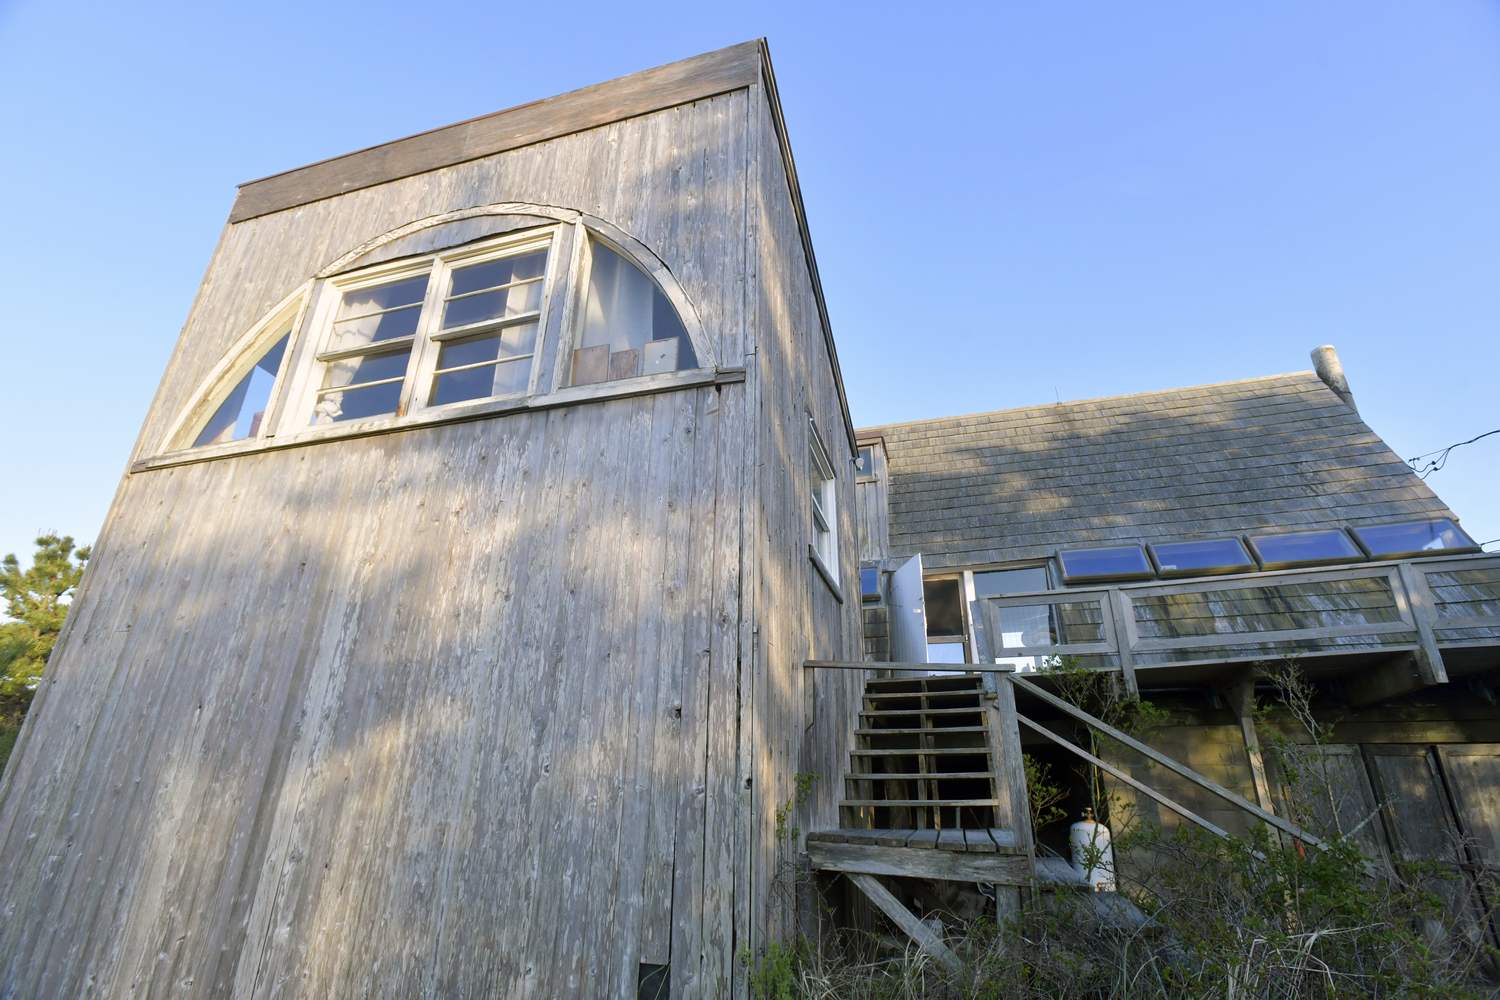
{"x": 795, "y": 611}
{"x": 454, "y": 711}
{"x": 674, "y": 180}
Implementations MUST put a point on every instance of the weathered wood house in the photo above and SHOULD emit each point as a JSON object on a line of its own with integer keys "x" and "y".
{"x": 445, "y": 634}
{"x": 1188, "y": 541}
{"x": 498, "y": 561}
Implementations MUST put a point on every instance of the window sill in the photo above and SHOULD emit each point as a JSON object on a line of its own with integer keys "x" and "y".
{"x": 824, "y": 572}
{"x": 451, "y": 414}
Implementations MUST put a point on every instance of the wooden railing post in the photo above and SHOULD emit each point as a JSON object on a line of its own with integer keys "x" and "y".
{"x": 1122, "y": 615}
{"x": 1006, "y": 731}
{"x": 1424, "y": 613}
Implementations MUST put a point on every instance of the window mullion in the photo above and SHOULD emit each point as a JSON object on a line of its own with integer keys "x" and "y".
{"x": 424, "y": 353}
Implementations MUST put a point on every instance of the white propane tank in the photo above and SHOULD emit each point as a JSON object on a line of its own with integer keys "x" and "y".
{"x": 1090, "y": 842}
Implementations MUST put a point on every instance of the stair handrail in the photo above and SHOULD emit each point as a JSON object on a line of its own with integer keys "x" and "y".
{"x": 1180, "y": 770}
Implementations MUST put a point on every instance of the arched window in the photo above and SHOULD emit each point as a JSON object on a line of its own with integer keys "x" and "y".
{"x": 244, "y": 410}
{"x": 629, "y": 327}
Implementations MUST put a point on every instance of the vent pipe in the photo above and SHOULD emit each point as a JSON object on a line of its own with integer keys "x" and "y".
{"x": 1326, "y": 363}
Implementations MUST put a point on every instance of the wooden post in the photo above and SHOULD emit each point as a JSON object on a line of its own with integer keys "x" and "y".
{"x": 1239, "y": 691}
{"x": 1429, "y": 660}
{"x": 1123, "y": 617}
{"x": 906, "y": 920}
{"x": 1009, "y": 748}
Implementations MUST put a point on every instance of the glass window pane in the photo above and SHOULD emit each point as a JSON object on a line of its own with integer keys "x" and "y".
{"x": 368, "y": 368}
{"x": 370, "y": 329}
{"x": 869, "y": 581}
{"x": 480, "y": 383}
{"x": 626, "y": 312}
{"x": 1010, "y": 581}
{"x": 866, "y": 464}
{"x": 512, "y": 301}
{"x": 240, "y": 415}
{"x": 354, "y": 404}
{"x": 1304, "y": 548}
{"x": 945, "y": 652}
{"x": 493, "y": 273}
{"x": 361, "y": 301}
{"x": 1030, "y": 626}
{"x": 1413, "y": 538}
{"x": 1213, "y": 555}
{"x": 469, "y": 351}
{"x": 1120, "y": 562}
{"x": 944, "y": 607}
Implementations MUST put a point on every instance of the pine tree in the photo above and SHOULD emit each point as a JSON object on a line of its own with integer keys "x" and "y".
{"x": 36, "y": 602}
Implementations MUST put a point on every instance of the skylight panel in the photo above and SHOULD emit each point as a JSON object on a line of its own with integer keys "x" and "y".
{"x": 1206, "y": 557}
{"x": 1118, "y": 562}
{"x": 1413, "y": 538}
{"x": 1292, "y": 549}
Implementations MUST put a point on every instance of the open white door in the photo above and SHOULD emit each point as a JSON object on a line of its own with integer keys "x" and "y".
{"x": 908, "y": 615}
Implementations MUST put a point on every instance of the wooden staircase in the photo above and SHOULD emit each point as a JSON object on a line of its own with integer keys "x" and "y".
{"x": 927, "y": 793}
{"x": 925, "y": 757}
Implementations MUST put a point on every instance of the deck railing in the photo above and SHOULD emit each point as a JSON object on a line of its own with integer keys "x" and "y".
{"x": 1416, "y": 605}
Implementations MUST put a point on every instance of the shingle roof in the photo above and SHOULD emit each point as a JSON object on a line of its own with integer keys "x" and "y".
{"x": 1209, "y": 460}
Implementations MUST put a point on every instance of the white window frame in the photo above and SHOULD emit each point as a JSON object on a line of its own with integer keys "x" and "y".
{"x": 428, "y": 339}
{"x": 823, "y": 504}
{"x": 314, "y": 305}
{"x": 286, "y": 319}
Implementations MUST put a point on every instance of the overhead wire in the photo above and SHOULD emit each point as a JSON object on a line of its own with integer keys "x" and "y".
{"x": 1423, "y": 471}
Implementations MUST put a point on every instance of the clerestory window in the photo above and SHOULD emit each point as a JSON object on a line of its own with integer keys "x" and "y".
{"x": 447, "y": 329}
{"x": 461, "y": 326}
{"x": 629, "y": 325}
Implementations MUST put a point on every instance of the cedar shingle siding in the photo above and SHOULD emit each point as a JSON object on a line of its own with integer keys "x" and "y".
{"x": 1017, "y": 484}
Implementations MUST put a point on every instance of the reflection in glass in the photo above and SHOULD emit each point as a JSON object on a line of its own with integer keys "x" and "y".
{"x": 627, "y": 313}
{"x": 496, "y": 289}
{"x": 1412, "y": 538}
{"x": 1119, "y": 562}
{"x": 1201, "y": 558}
{"x": 380, "y": 312}
{"x": 865, "y": 467}
{"x": 1029, "y": 626}
{"x": 869, "y": 582}
{"x": 1290, "y": 549}
{"x": 945, "y": 652}
{"x": 1010, "y": 581}
{"x": 241, "y": 414}
{"x": 494, "y": 273}
{"x": 367, "y": 386}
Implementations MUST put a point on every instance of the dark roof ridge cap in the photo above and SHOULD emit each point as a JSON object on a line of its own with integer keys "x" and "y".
{"x": 873, "y": 429}
{"x": 683, "y": 81}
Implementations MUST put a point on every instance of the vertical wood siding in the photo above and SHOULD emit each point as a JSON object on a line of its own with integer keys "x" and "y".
{"x": 395, "y": 717}
{"x": 674, "y": 180}
{"x": 453, "y": 711}
{"x": 795, "y": 612}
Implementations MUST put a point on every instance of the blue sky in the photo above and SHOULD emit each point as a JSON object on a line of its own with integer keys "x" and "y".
{"x": 1073, "y": 199}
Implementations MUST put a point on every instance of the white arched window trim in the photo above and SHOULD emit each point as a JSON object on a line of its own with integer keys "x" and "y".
{"x": 286, "y": 315}
{"x": 567, "y": 285}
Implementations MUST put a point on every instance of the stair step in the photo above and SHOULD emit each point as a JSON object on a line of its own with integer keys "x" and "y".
{"x": 973, "y": 841}
{"x": 929, "y": 731}
{"x": 922, "y": 711}
{"x": 912, "y": 803}
{"x": 931, "y": 776}
{"x": 920, "y": 751}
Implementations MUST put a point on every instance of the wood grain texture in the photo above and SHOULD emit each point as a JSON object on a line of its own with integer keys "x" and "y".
{"x": 503, "y": 707}
{"x": 630, "y": 96}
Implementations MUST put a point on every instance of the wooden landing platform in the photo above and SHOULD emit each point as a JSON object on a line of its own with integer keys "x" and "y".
{"x": 954, "y": 855}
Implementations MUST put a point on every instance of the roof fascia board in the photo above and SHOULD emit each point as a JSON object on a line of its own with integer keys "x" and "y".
{"x": 773, "y": 99}
{"x": 682, "y": 82}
